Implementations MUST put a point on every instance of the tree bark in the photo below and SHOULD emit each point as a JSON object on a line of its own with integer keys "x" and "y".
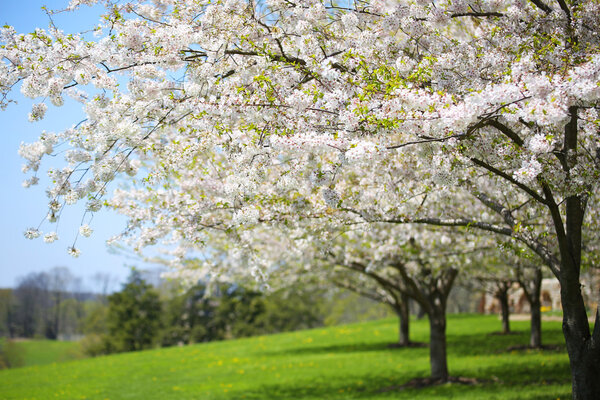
{"x": 437, "y": 345}
{"x": 535, "y": 303}
{"x": 431, "y": 292}
{"x": 532, "y": 287}
{"x": 535, "y": 338}
{"x": 404, "y": 317}
{"x": 583, "y": 347}
{"x": 502, "y": 296}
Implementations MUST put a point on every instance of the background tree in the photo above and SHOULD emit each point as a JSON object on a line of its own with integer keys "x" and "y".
{"x": 34, "y": 305}
{"x": 134, "y": 316}
{"x": 190, "y": 317}
{"x": 397, "y": 261}
{"x": 8, "y": 305}
{"x": 530, "y": 280}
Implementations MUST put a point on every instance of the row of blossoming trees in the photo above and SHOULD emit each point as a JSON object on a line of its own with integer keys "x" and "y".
{"x": 309, "y": 121}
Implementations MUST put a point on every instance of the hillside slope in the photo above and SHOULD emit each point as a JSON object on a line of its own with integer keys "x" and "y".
{"x": 345, "y": 362}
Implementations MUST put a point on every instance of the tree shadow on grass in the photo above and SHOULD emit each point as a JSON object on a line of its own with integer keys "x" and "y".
{"x": 461, "y": 345}
{"x": 516, "y": 371}
{"x": 478, "y": 344}
{"x": 497, "y": 382}
{"x": 350, "y": 348}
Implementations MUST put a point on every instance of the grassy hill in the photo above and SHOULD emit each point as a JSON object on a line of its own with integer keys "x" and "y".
{"x": 345, "y": 362}
{"x": 42, "y": 352}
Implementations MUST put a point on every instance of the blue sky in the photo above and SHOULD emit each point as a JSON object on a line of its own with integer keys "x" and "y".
{"x": 22, "y": 208}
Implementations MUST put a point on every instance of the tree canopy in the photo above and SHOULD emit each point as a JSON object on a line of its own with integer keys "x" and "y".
{"x": 225, "y": 115}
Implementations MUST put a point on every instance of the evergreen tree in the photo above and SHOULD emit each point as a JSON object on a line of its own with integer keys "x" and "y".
{"x": 133, "y": 316}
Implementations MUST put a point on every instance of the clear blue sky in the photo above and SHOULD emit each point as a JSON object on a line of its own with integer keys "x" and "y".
{"x": 22, "y": 208}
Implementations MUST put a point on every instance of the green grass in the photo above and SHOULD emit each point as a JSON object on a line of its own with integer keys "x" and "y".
{"x": 41, "y": 352}
{"x": 346, "y": 362}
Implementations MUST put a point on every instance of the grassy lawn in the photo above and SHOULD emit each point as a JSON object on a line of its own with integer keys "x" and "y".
{"x": 41, "y": 352}
{"x": 345, "y": 362}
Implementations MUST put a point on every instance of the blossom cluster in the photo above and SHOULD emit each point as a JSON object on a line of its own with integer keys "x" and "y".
{"x": 222, "y": 117}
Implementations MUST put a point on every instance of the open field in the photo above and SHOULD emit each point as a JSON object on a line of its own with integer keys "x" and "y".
{"x": 42, "y": 352}
{"x": 345, "y": 362}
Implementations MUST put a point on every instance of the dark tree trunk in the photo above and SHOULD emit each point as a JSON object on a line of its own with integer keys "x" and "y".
{"x": 421, "y": 312}
{"x": 56, "y": 322}
{"x": 502, "y": 296}
{"x": 583, "y": 347}
{"x": 431, "y": 292}
{"x": 532, "y": 288}
{"x": 535, "y": 303}
{"x": 535, "y": 339}
{"x": 404, "y": 317}
{"x": 437, "y": 345}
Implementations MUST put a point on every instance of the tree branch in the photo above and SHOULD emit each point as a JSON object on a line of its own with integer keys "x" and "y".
{"x": 454, "y": 222}
{"x": 429, "y": 140}
{"x": 363, "y": 293}
{"x": 542, "y": 6}
{"x": 506, "y": 131}
{"x": 563, "y": 6}
{"x": 509, "y": 178}
{"x": 477, "y": 14}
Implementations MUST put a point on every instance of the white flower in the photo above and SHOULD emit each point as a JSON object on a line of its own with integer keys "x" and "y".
{"x": 331, "y": 197}
{"x": 73, "y": 252}
{"x": 444, "y": 178}
{"x": 50, "y": 237}
{"x": 31, "y": 181}
{"x": 85, "y": 230}
{"x": 361, "y": 151}
{"x": 37, "y": 112}
{"x": 246, "y": 215}
{"x": 32, "y": 233}
{"x": 540, "y": 144}
{"x": 94, "y": 205}
{"x": 320, "y": 178}
{"x": 350, "y": 20}
{"x": 54, "y": 205}
{"x": 529, "y": 170}
{"x": 71, "y": 197}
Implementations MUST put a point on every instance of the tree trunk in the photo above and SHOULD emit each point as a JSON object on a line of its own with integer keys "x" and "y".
{"x": 502, "y": 296}
{"x": 583, "y": 348}
{"x": 404, "y": 317}
{"x": 421, "y": 312}
{"x": 535, "y": 339}
{"x": 431, "y": 292}
{"x": 437, "y": 345}
{"x": 535, "y": 303}
{"x": 532, "y": 287}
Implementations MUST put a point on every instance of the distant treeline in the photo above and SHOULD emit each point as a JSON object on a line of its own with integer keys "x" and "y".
{"x": 48, "y": 305}
{"x": 53, "y": 305}
{"x": 140, "y": 316}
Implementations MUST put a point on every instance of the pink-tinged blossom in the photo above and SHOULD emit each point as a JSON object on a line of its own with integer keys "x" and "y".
{"x": 540, "y": 144}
